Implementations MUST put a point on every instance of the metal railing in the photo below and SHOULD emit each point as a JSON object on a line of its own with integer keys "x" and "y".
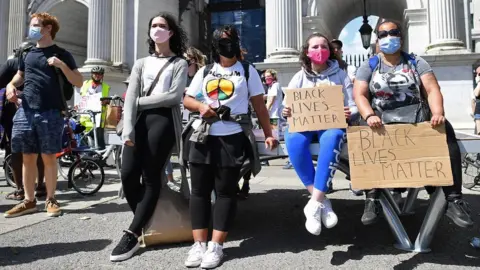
{"x": 356, "y": 59}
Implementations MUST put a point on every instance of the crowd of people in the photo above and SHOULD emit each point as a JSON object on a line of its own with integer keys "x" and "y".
{"x": 174, "y": 77}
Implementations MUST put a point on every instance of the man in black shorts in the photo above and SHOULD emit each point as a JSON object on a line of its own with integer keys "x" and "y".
{"x": 38, "y": 122}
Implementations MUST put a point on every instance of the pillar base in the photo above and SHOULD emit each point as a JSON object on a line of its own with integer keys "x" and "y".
{"x": 284, "y": 53}
{"x": 93, "y": 62}
{"x": 447, "y": 45}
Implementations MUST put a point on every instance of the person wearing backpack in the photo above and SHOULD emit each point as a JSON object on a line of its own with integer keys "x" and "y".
{"x": 393, "y": 85}
{"x": 218, "y": 144}
{"x": 7, "y": 72}
{"x": 47, "y": 73}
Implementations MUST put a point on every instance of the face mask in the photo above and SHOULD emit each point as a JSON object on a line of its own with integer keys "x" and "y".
{"x": 477, "y": 79}
{"x": 227, "y": 48}
{"x": 319, "y": 57}
{"x": 269, "y": 81}
{"x": 159, "y": 35}
{"x": 389, "y": 45}
{"x": 34, "y": 33}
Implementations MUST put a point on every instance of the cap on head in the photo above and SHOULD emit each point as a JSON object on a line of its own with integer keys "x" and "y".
{"x": 338, "y": 42}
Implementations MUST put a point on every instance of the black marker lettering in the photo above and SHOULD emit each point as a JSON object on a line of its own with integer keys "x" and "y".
{"x": 400, "y": 169}
{"x": 438, "y": 168}
{"x": 407, "y": 138}
{"x": 364, "y": 136}
{"x": 426, "y": 169}
{"x": 386, "y": 167}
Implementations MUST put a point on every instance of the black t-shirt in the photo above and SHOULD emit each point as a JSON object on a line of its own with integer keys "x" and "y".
{"x": 8, "y": 71}
{"x": 41, "y": 88}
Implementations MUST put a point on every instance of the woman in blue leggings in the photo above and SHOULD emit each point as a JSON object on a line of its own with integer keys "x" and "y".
{"x": 319, "y": 67}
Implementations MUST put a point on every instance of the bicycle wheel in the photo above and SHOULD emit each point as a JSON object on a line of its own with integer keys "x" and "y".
{"x": 86, "y": 166}
{"x": 7, "y": 168}
{"x": 118, "y": 160}
{"x": 471, "y": 171}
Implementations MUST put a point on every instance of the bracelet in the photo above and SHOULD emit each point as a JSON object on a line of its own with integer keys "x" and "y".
{"x": 368, "y": 116}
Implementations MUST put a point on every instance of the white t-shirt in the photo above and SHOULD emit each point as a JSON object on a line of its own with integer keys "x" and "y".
{"x": 227, "y": 86}
{"x": 275, "y": 90}
{"x": 152, "y": 67}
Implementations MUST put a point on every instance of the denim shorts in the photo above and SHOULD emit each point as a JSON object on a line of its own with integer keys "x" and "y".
{"x": 37, "y": 132}
{"x": 477, "y": 116}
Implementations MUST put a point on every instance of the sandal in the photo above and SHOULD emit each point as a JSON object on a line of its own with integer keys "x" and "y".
{"x": 17, "y": 195}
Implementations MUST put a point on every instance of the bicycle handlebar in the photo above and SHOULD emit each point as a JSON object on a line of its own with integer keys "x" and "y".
{"x": 111, "y": 98}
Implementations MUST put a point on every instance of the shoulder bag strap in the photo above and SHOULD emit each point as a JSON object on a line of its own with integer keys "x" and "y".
{"x": 155, "y": 81}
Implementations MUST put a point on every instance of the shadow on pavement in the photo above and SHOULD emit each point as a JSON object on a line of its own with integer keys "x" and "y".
{"x": 25, "y": 255}
{"x": 273, "y": 222}
{"x": 104, "y": 208}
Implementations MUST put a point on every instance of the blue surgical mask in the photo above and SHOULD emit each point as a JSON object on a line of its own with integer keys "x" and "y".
{"x": 34, "y": 33}
{"x": 390, "y": 45}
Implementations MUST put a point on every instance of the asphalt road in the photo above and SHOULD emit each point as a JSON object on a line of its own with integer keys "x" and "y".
{"x": 269, "y": 234}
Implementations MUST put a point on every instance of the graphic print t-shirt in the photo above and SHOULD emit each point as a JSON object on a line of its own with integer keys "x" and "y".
{"x": 227, "y": 86}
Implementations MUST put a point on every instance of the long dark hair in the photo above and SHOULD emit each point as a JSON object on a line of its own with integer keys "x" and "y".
{"x": 178, "y": 41}
{"x": 305, "y": 60}
{"x": 232, "y": 33}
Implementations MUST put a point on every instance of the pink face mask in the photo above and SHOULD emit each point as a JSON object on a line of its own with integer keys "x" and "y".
{"x": 269, "y": 81}
{"x": 159, "y": 35}
{"x": 319, "y": 56}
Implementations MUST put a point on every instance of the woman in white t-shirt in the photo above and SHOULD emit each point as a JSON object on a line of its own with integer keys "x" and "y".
{"x": 216, "y": 163}
{"x": 274, "y": 96}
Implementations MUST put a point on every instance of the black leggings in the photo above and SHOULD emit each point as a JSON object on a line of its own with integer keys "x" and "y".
{"x": 451, "y": 192}
{"x": 205, "y": 178}
{"x": 154, "y": 141}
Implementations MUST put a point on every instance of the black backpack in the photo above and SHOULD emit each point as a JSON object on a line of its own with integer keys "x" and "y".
{"x": 66, "y": 87}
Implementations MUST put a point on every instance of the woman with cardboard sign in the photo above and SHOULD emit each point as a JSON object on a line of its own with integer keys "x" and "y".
{"x": 395, "y": 87}
{"x": 319, "y": 67}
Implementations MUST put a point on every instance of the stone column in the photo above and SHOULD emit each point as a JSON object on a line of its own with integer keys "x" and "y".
{"x": 476, "y": 24}
{"x": 444, "y": 32}
{"x": 99, "y": 45}
{"x": 17, "y": 28}
{"x": 4, "y": 11}
{"x": 119, "y": 53}
{"x": 282, "y": 27}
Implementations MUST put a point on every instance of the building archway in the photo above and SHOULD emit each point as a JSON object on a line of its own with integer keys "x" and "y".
{"x": 73, "y": 19}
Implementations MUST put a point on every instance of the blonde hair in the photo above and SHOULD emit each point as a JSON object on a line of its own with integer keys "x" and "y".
{"x": 273, "y": 72}
{"x": 197, "y": 55}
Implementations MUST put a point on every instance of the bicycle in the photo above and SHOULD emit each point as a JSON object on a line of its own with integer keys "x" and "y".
{"x": 471, "y": 170}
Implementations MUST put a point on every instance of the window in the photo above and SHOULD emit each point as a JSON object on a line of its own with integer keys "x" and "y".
{"x": 250, "y": 24}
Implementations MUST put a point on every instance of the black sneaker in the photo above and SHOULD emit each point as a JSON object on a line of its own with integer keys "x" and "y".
{"x": 125, "y": 249}
{"x": 459, "y": 212}
{"x": 370, "y": 214}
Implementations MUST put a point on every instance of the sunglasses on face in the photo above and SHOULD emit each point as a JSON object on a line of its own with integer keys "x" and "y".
{"x": 392, "y": 33}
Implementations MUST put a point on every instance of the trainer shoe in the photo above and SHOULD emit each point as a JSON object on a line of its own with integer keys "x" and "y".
{"x": 53, "y": 208}
{"x": 329, "y": 218}
{"x": 125, "y": 249}
{"x": 23, "y": 208}
{"x": 313, "y": 211}
{"x": 195, "y": 254}
{"x": 213, "y": 256}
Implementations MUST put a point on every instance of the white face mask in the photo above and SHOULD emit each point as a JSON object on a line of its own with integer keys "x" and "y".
{"x": 477, "y": 79}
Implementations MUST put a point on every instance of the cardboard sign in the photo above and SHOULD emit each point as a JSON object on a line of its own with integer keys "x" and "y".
{"x": 318, "y": 108}
{"x": 399, "y": 156}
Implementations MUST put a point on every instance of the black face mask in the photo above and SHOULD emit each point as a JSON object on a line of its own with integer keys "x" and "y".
{"x": 227, "y": 48}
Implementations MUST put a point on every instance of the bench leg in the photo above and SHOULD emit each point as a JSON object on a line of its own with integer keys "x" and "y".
{"x": 410, "y": 201}
{"x": 403, "y": 242}
{"x": 390, "y": 199}
{"x": 435, "y": 211}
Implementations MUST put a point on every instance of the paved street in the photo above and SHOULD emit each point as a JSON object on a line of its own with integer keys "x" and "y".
{"x": 269, "y": 233}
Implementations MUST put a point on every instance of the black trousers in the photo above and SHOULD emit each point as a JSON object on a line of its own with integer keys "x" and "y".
{"x": 205, "y": 178}
{"x": 154, "y": 140}
{"x": 451, "y": 192}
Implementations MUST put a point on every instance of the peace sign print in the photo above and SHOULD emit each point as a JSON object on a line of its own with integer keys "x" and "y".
{"x": 220, "y": 89}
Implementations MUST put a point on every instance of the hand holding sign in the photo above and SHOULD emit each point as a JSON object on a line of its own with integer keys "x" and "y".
{"x": 318, "y": 108}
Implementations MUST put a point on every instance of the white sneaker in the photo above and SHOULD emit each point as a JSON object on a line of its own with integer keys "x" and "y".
{"x": 312, "y": 212}
{"x": 329, "y": 218}
{"x": 213, "y": 256}
{"x": 195, "y": 254}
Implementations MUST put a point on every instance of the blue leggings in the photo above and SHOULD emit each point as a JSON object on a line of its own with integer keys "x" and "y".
{"x": 298, "y": 145}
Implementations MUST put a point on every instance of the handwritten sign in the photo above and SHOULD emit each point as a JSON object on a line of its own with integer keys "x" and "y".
{"x": 90, "y": 102}
{"x": 398, "y": 156}
{"x": 317, "y": 108}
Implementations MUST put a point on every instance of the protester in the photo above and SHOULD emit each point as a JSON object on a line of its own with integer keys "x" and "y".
{"x": 91, "y": 87}
{"x": 195, "y": 61}
{"x": 274, "y": 96}
{"x": 152, "y": 124}
{"x": 319, "y": 67}
{"x": 7, "y": 72}
{"x": 476, "y": 101}
{"x": 218, "y": 147}
{"x": 338, "y": 50}
{"x": 373, "y": 88}
{"x": 38, "y": 122}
